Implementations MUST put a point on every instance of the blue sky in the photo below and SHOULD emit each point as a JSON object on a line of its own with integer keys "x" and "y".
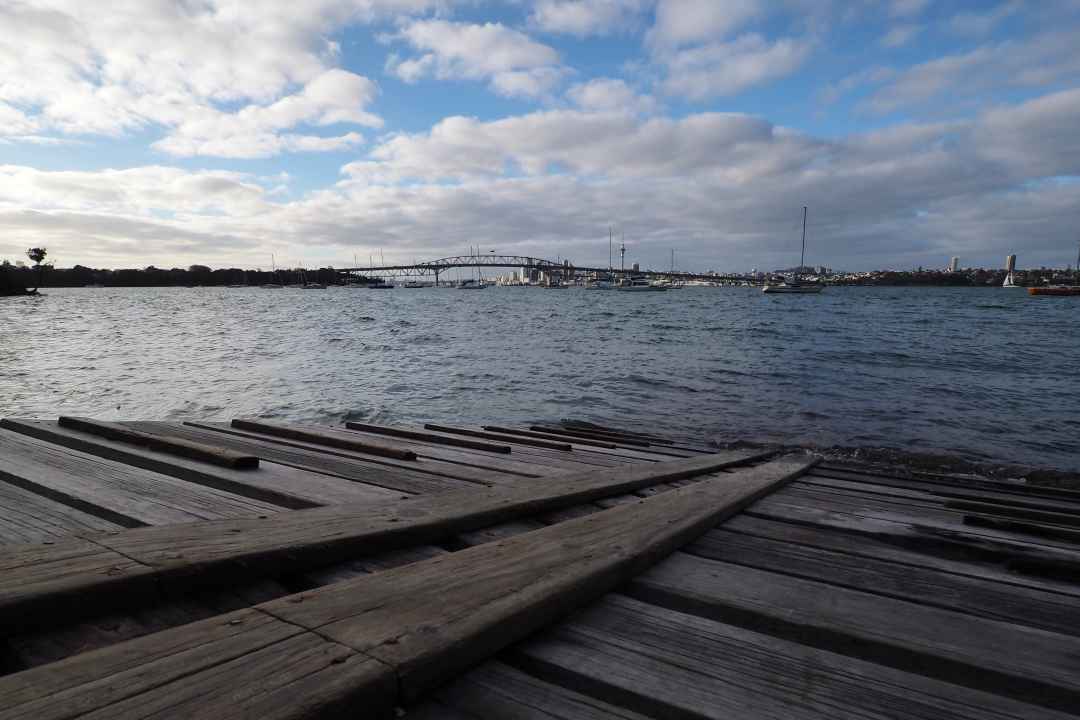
{"x": 154, "y": 132}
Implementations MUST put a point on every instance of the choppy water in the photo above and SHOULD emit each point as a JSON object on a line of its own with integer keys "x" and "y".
{"x": 988, "y": 374}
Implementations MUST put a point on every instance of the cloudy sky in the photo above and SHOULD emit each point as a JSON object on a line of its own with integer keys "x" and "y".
{"x": 138, "y": 132}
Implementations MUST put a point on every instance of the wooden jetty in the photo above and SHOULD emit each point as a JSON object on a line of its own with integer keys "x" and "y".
{"x": 258, "y": 569}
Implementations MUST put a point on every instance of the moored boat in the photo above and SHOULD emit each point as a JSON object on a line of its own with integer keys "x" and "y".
{"x": 795, "y": 285}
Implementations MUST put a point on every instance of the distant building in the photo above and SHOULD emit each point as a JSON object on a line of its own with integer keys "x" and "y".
{"x": 1010, "y": 263}
{"x": 954, "y": 264}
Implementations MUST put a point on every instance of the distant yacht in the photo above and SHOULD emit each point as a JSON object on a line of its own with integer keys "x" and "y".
{"x": 1010, "y": 281}
{"x": 638, "y": 283}
{"x": 796, "y": 284}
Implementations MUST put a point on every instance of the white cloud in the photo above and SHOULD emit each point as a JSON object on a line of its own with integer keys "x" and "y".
{"x": 610, "y": 94}
{"x": 72, "y": 67}
{"x": 1037, "y": 61}
{"x": 586, "y": 17}
{"x": 679, "y": 22}
{"x": 514, "y": 63}
{"x": 719, "y": 69}
{"x": 551, "y": 182}
{"x": 900, "y": 35}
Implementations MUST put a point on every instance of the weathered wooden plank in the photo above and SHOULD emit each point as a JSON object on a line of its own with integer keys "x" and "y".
{"x": 430, "y": 619}
{"x": 1040, "y": 530}
{"x": 592, "y": 435}
{"x": 676, "y": 666}
{"x": 547, "y": 436}
{"x": 43, "y": 582}
{"x": 61, "y": 639}
{"x": 943, "y": 493}
{"x": 417, "y": 477}
{"x": 928, "y": 523}
{"x": 26, "y": 517}
{"x": 966, "y": 483}
{"x": 176, "y": 446}
{"x": 271, "y": 482}
{"x": 200, "y": 553}
{"x": 323, "y": 438}
{"x": 501, "y": 437}
{"x": 244, "y": 664}
{"x": 518, "y": 464}
{"x": 496, "y": 690}
{"x": 427, "y": 437}
{"x": 875, "y": 548}
{"x": 620, "y": 442}
{"x": 983, "y": 598}
{"x": 1037, "y": 516}
{"x": 1029, "y": 664}
{"x": 946, "y": 540}
{"x": 115, "y": 491}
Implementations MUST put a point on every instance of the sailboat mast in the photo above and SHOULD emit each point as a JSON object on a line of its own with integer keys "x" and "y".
{"x": 802, "y": 257}
{"x": 609, "y": 249}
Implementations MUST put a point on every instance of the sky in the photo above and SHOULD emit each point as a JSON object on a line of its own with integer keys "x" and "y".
{"x": 334, "y": 132}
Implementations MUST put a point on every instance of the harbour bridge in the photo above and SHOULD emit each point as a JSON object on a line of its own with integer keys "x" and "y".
{"x": 565, "y": 270}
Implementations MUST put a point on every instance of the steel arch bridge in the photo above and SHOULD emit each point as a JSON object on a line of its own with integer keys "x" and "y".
{"x": 437, "y": 267}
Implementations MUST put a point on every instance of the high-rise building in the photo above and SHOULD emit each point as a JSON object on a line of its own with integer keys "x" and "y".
{"x": 1010, "y": 263}
{"x": 954, "y": 264}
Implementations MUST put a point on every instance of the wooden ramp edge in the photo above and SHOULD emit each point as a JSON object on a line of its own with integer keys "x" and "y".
{"x": 383, "y": 640}
{"x": 86, "y": 573}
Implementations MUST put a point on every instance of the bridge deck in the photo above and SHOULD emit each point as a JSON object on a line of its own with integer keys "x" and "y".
{"x": 545, "y": 572}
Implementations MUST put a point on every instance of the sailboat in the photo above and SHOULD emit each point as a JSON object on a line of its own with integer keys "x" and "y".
{"x": 273, "y": 285}
{"x": 1010, "y": 281}
{"x": 796, "y": 284}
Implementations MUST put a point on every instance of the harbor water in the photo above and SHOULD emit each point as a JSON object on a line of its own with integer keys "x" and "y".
{"x": 987, "y": 374}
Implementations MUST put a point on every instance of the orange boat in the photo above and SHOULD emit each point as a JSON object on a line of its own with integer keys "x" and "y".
{"x": 1055, "y": 290}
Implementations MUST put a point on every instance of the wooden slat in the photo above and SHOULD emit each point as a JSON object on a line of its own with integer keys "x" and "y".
{"x": 547, "y": 436}
{"x": 427, "y": 437}
{"x": 878, "y": 548}
{"x": 115, "y": 491}
{"x": 671, "y": 665}
{"x": 323, "y": 438}
{"x": 500, "y": 436}
{"x": 244, "y": 664}
{"x": 271, "y": 482}
{"x": 425, "y": 621}
{"x": 303, "y": 539}
{"x": 966, "y": 483}
{"x": 941, "y": 493}
{"x": 434, "y": 617}
{"x": 1028, "y": 664}
{"x": 176, "y": 446}
{"x": 948, "y": 524}
{"x": 592, "y": 435}
{"x": 409, "y": 477}
{"x": 980, "y": 597}
{"x": 496, "y": 690}
{"x": 26, "y": 517}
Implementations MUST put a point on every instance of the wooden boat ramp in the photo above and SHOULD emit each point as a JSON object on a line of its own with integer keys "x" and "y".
{"x": 257, "y": 569}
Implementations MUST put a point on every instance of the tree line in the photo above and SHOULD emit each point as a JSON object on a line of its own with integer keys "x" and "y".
{"x": 192, "y": 276}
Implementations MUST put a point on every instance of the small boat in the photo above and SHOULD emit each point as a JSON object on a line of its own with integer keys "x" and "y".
{"x": 380, "y": 285}
{"x": 796, "y": 285}
{"x": 1057, "y": 290}
{"x": 1010, "y": 281}
{"x": 793, "y": 286}
{"x": 470, "y": 284}
{"x": 415, "y": 284}
{"x": 638, "y": 283}
{"x": 313, "y": 286}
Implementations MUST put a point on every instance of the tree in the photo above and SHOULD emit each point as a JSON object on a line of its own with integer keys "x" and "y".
{"x": 37, "y": 256}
